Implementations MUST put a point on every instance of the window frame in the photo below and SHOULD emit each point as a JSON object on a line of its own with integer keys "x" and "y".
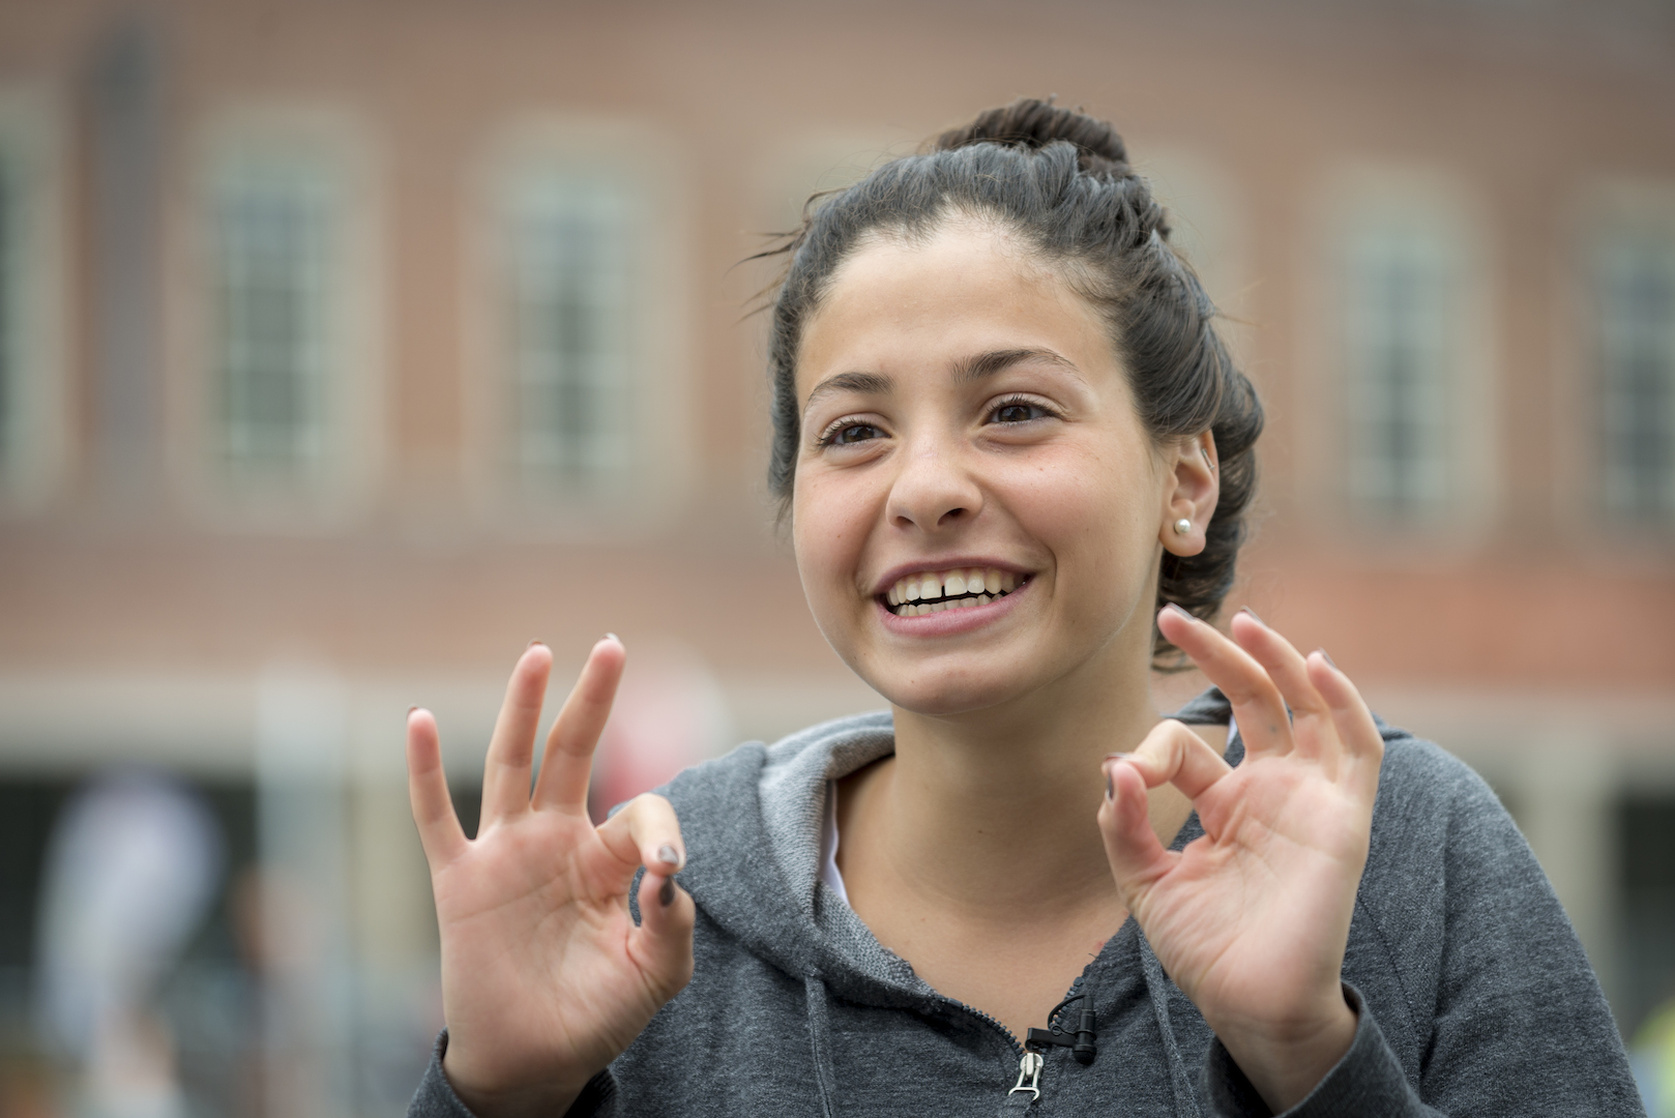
{"x": 1622, "y": 214}
{"x": 1358, "y": 197}
{"x": 340, "y": 481}
{"x": 639, "y": 162}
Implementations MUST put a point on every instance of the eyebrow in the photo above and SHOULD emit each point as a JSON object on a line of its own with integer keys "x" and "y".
{"x": 966, "y": 371}
{"x": 871, "y": 384}
{"x": 988, "y": 364}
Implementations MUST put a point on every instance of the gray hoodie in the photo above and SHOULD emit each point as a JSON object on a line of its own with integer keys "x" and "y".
{"x": 1472, "y": 991}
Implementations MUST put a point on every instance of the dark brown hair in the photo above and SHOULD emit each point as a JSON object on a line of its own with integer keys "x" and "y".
{"x": 1061, "y": 179}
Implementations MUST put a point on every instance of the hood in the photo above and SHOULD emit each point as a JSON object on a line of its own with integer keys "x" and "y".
{"x": 752, "y": 825}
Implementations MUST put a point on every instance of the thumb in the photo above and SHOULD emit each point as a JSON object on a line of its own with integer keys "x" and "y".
{"x": 662, "y": 945}
{"x": 1137, "y": 859}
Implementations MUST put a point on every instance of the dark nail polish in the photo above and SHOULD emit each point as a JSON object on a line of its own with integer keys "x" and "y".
{"x": 532, "y": 644}
{"x": 411, "y": 709}
{"x": 668, "y": 855}
{"x": 667, "y": 894}
{"x": 1254, "y": 616}
{"x": 1110, "y": 788}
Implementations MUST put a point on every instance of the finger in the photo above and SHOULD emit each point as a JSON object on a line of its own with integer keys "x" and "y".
{"x": 645, "y": 833}
{"x": 1137, "y": 858}
{"x": 568, "y": 760}
{"x": 1256, "y": 701}
{"x": 427, "y": 787}
{"x": 662, "y": 944}
{"x": 1362, "y": 743}
{"x": 1172, "y": 754}
{"x": 506, "y": 769}
{"x": 1313, "y": 733}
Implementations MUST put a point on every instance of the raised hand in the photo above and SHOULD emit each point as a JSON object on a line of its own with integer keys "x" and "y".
{"x": 1251, "y": 919}
{"x": 545, "y": 978}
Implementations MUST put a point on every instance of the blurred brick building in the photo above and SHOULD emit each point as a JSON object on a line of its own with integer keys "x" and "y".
{"x": 345, "y": 347}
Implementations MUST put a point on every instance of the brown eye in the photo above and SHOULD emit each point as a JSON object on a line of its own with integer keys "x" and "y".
{"x": 1018, "y": 412}
{"x": 853, "y": 433}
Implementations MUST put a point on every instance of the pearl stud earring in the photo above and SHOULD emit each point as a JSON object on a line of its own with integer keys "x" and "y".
{"x": 1183, "y": 526}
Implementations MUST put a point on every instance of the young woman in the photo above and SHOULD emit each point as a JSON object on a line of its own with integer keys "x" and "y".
{"x": 1007, "y": 434}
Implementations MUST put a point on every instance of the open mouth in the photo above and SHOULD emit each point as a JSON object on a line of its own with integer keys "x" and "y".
{"x": 962, "y": 588}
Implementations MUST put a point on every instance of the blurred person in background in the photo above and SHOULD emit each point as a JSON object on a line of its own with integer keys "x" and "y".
{"x": 1653, "y": 1060}
{"x": 131, "y": 874}
{"x": 1008, "y": 438}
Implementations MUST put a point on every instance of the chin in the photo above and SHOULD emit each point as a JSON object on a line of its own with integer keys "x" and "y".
{"x": 946, "y": 695}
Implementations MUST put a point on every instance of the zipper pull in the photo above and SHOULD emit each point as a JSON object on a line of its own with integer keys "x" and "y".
{"x": 1029, "y": 1069}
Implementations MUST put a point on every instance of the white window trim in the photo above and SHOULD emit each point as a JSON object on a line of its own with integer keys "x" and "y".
{"x": 352, "y": 456}
{"x": 662, "y": 441}
{"x": 37, "y": 445}
{"x": 1608, "y": 208}
{"x": 1350, "y": 197}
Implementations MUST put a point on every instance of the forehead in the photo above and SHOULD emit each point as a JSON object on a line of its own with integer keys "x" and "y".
{"x": 971, "y": 286}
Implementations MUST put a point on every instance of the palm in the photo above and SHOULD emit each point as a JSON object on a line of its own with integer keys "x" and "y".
{"x": 545, "y": 976}
{"x": 1240, "y": 916}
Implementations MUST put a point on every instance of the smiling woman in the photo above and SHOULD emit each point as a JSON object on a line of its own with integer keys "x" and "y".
{"x": 1005, "y": 435}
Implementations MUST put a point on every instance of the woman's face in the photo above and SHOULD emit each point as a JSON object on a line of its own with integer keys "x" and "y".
{"x": 967, "y": 429}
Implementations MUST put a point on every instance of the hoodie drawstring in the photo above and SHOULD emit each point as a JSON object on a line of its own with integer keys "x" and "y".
{"x": 820, "y": 1040}
{"x": 1158, "y": 986}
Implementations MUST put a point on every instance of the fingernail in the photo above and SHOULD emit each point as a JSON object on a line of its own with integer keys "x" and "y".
{"x": 668, "y": 855}
{"x": 532, "y": 644}
{"x": 613, "y": 637}
{"x": 1173, "y": 608}
{"x": 1253, "y": 614}
{"x": 1327, "y": 656}
{"x": 411, "y": 709}
{"x": 1110, "y": 787}
{"x": 667, "y": 893}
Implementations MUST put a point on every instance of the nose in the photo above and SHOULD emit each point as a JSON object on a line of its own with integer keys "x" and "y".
{"x": 933, "y": 489}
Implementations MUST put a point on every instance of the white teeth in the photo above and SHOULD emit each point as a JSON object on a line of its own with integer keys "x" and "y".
{"x": 974, "y": 586}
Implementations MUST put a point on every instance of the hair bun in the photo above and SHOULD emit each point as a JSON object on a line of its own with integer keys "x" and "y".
{"x": 1030, "y": 122}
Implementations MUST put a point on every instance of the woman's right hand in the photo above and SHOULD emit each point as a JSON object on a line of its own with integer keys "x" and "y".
{"x": 545, "y": 977}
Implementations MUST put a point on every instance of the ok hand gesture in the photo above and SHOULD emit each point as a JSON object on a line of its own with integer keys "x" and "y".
{"x": 1252, "y": 919}
{"x": 545, "y": 977}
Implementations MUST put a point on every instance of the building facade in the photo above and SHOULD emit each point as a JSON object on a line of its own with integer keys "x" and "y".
{"x": 345, "y": 348}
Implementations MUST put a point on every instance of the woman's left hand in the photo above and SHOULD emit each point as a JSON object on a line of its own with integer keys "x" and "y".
{"x": 1251, "y": 920}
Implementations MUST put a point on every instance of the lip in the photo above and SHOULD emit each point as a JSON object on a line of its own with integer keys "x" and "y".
{"x": 953, "y": 562}
{"x": 949, "y": 622}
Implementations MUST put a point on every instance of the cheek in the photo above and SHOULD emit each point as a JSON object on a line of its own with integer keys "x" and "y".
{"x": 827, "y": 530}
{"x": 1100, "y": 511}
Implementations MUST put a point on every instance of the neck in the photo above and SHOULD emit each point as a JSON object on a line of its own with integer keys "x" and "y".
{"x": 992, "y": 813}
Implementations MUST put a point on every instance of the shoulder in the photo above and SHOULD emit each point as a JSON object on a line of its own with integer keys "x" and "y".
{"x": 1416, "y": 770}
{"x": 1433, "y": 808}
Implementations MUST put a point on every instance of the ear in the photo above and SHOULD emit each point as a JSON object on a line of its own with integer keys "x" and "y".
{"x": 1190, "y": 492}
